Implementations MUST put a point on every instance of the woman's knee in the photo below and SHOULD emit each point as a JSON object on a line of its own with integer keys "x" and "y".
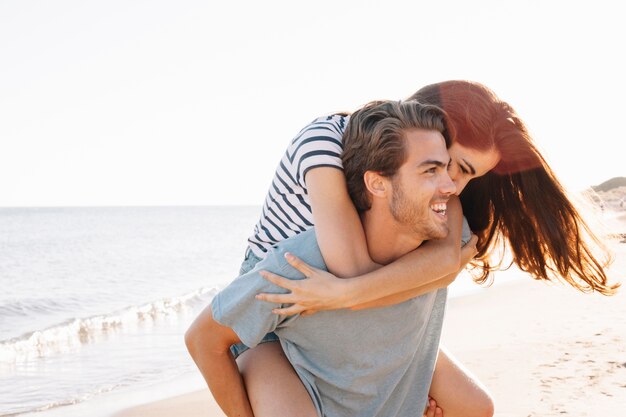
{"x": 457, "y": 391}
{"x": 195, "y": 336}
{"x": 483, "y": 406}
{"x": 490, "y": 408}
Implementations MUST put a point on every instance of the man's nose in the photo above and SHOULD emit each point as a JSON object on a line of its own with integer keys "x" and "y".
{"x": 447, "y": 186}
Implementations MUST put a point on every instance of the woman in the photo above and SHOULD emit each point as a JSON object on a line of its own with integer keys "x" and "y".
{"x": 507, "y": 202}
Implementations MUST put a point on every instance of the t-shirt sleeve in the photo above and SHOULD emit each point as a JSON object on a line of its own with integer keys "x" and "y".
{"x": 318, "y": 145}
{"x": 236, "y": 307}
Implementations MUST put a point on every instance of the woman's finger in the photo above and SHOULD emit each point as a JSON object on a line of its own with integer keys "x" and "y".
{"x": 299, "y": 264}
{"x": 468, "y": 251}
{"x": 288, "y": 311}
{"x": 306, "y": 313}
{"x": 473, "y": 241}
{"x": 275, "y": 298}
{"x": 285, "y": 283}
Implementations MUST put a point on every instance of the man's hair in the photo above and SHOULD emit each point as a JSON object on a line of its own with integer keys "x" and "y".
{"x": 374, "y": 140}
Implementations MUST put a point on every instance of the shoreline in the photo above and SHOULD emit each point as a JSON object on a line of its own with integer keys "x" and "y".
{"x": 540, "y": 349}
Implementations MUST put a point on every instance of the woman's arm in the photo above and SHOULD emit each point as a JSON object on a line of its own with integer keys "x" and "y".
{"x": 324, "y": 291}
{"x": 433, "y": 265}
{"x": 415, "y": 273}
{"x": 338, "y": 228}
{"x": 342, "y": 242}
{"x": 467, "y": 253}
{"x": 343, "y": 246}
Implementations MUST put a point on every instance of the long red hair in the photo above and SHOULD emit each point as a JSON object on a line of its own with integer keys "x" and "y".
{"x": 521, "y": 200}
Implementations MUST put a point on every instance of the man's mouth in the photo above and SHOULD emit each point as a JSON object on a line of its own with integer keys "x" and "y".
{"x": 439, "y": 208}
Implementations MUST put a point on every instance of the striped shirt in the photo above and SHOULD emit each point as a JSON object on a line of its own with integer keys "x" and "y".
{"x": 287, "y": 209}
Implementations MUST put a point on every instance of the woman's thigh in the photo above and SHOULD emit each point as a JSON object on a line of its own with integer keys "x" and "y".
{"x": 456, "y": 391}
{"x": 273, "y": 386}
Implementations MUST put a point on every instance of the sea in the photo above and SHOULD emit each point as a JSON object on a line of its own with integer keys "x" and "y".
{"x": 94, "y": 302}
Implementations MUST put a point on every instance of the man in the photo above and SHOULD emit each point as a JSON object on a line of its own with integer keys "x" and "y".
{"x": 375, "y": 362}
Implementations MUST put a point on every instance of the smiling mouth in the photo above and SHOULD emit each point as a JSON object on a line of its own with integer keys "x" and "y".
{"x": 439, "y": 208}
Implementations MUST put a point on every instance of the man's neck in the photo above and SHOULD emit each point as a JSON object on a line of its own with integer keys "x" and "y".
{"x": 386, "y": 242}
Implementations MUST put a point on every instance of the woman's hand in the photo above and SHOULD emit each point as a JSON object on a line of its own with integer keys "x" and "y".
{"x": 468, "y": 251}
{"x": 320, "y": 291}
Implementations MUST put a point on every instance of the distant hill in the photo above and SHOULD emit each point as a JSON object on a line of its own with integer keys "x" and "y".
{"x": 610, "y": 184}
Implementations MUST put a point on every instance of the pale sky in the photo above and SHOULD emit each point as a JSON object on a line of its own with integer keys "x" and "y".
{"x": 193, "y": 102}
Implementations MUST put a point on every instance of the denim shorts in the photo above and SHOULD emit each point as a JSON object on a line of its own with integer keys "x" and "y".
{"x": 248, "y": 263}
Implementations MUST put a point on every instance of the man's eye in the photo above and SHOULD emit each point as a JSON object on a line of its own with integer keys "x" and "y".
{"x": 463, "y": 170}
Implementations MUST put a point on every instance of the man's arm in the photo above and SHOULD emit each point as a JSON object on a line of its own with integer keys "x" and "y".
{"x": 209, "y": 344}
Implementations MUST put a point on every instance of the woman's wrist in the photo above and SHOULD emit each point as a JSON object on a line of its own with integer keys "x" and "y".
{"x": 352, "y": 292}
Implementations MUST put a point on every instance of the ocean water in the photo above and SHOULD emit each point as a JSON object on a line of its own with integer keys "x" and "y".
{"x": 95, "y": 301}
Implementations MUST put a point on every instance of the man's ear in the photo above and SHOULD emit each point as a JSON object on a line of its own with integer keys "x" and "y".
{"x": 376, "y": 184}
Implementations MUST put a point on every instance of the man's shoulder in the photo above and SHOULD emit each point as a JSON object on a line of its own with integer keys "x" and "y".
{"x": 303, "y": 245}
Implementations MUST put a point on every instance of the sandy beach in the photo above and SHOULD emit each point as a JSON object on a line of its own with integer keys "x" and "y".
{"x": 542, "y": 350}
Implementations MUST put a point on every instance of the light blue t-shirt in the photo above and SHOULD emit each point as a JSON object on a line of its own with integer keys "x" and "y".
{"x": 371, "y": 363}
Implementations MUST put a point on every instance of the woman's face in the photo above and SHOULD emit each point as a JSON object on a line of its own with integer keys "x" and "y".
{"x": 468, "y": 163}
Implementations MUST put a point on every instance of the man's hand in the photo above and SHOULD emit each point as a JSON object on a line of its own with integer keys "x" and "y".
{"x": 432, "y": 410}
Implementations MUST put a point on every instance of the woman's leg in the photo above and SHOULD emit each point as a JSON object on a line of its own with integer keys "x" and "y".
{"x": 457, "y": 391}
{"x": 273, "y": 386}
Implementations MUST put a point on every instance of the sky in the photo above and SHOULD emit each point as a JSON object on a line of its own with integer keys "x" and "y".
{"x": 193, "y": 102}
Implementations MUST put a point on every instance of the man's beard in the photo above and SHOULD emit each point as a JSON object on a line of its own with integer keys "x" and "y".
{"x": 418, "y": 218}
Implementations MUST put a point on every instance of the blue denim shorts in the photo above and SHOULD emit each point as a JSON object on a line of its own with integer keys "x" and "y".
{"x": 248, "y": 263}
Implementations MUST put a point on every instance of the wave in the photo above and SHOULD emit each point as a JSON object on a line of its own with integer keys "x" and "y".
{"x": 73, "y": 333}
{"x": 28, "y": 306}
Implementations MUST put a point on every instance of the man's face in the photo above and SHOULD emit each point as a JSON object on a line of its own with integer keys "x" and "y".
{"x": 422, "y": 187}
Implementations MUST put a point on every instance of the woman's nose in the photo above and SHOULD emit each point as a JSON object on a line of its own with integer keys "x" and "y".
{"x": 460, "y": 183}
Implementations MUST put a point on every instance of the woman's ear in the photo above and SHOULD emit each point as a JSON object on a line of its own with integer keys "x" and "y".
{"x": 376, "y": 184}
